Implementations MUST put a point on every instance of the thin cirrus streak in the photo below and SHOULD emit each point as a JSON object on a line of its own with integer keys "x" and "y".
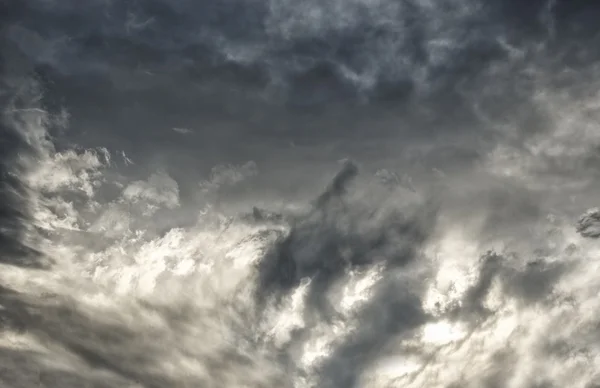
{"x": 254, "y": 193}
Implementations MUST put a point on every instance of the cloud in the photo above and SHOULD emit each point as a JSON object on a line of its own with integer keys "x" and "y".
{"x": 159, "y": 190}
{"x": 183, "y": 131}
{"x": 380, "y": 49}
{"x": 395, "y": 276}
{"x": 70, "y": 171}
{"x": 228, "y": 175}
{"x": 588, "y": 223}
{"x": 338, "y": 234}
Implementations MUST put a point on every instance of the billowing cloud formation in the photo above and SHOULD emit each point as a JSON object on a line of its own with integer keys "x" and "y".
{"x": 587, "y": 225}
{"x": 299, "y": 194}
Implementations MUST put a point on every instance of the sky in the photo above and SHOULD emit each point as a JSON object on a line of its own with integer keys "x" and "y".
{"x": 299, "y": 194}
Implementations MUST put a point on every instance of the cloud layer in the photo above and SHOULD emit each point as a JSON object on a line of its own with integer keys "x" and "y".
{"x": 299, "y": 194}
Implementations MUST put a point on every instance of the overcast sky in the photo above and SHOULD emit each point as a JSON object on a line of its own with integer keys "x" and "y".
{"x": 277, "y": 193}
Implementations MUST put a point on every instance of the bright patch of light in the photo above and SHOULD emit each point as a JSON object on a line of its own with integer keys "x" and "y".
{"x": 357, "y": 288}
{"x": 291, "y": 316}
{"x": 391, "y": 370}
{"x": 319, "y": 347}
{"x": 442, "y": 333}
{"x": 454, "y": 255}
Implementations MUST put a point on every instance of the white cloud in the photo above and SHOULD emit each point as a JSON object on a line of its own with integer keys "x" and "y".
{"x": 229, "y": 175}
{"x": 159, "y": 190}
{"x": 68, "y": 171}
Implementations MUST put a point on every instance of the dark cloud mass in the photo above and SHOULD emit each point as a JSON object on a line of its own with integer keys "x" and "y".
{"x": 299, "y": 194}
{"x": 587, "y": 225}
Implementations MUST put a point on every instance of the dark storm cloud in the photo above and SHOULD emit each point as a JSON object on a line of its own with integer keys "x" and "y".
{"x": 588, "y": 224}
{"x": 300, "y": 44}
{"x": 129, "y": 72}
{"x": 339, "y": 234}
{"x": 114, "y": 55}
{"x": 317, "y": 51}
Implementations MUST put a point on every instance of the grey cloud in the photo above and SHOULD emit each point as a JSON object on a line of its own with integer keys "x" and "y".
{"x": 382, "y": 48}
{"x": 393, "y": 311}
{"x": 536, "y": 281}
{"x": 14, "y": 193}
{"x": 338, "y": 234}
{"x": 101, "y": 349}
{"x": 429, "y": 65}
{"x": 473, "y": 300}
{"x": 159, "y": 190}
{"x": 223, "y": 176}
{"x": 526, "y": 283}
{"x": 588, "y": 224}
